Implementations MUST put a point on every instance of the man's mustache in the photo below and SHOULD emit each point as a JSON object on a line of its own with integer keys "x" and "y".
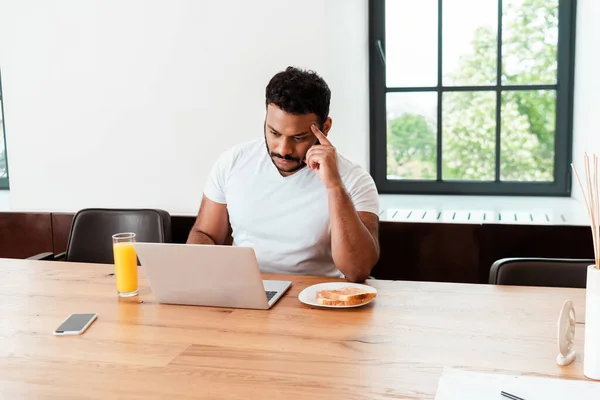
{"x": 286, "y": 157}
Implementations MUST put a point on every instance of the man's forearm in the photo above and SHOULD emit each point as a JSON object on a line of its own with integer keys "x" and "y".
{"x": 353, "y": 248}
{"x": 199, "y": 237}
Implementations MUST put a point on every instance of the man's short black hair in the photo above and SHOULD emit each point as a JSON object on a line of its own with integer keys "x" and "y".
{"x": 299, "y": 92}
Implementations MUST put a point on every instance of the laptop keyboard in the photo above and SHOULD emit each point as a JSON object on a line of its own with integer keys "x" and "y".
{"x": 270, "y": 295}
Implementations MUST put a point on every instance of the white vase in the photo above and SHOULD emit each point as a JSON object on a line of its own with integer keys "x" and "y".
{"x": 591, "y": 350}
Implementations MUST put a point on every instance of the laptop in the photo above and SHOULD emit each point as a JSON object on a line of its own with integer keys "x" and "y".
{"x": 207, "y": 275}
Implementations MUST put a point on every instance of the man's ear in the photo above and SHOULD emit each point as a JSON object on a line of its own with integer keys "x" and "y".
{"x": 326, "y": 126}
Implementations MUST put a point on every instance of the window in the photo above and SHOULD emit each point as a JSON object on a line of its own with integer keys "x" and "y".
{"x": 471, "y": 96}
{"x": 3, "y": 162}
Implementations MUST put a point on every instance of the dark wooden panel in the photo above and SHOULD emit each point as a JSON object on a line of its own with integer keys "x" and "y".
{"x": 398, "y": 259}
{"x": 61, "y": 226}
{"x": 503, "y": 241}
{"x": 24, "y": 235}
{"x": 448, "y": 253}
{"x": 180, "y": 227}
{"x": 428, "y": 252}
{"x": 456, "y": 252}
{"x": 409, "y": 251}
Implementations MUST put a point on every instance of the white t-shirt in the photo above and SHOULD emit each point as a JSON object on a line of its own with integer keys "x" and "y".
{"x": 285, "y": 219}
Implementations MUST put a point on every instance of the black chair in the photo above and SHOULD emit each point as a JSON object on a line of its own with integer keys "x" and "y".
{"x": 90, "y": 237}
{"x": 554, "y": 272}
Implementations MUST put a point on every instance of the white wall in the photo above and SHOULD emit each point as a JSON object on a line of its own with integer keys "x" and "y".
{"x": 586, "y": 127}
{"x": 127, "y": 103}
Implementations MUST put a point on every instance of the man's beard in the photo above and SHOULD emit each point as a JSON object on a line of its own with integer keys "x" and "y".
{"x": 299, "y": 164}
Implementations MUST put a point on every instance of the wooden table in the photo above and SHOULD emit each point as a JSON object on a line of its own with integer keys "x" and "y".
{"x": 395, "y": 347}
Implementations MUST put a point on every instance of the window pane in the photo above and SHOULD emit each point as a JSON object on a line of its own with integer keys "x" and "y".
{"x": 527, "y": 141}
{"x": 411, "y": 31}
{"x": 469, "y": 136}
{"x": 470, "y": 44}
{"x": 3, "y": 173}
{"x": 529, "y": 41}
{"x": 411, "y": 135}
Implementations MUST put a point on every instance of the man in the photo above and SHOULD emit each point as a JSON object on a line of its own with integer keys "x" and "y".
{"x": 304, "y": 208}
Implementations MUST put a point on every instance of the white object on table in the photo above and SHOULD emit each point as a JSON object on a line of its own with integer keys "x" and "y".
{"x": 455, "y": 384}
{"x": 309, "y": 295}
{"x": 591, "y": 347}
{"x": 566, "y": 334}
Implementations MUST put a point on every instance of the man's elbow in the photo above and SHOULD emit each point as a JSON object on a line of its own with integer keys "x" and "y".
{"x": 361, "y": 273}
{"x": 356, "y": 278}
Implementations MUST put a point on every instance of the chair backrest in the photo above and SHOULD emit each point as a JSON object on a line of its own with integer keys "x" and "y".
{"x": 90, "y": 238}
{"x": 554, "y": 272}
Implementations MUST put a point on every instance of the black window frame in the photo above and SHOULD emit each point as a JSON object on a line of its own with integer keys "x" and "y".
{"x": 4, "y": 182}
{"x": 561, "y": 186}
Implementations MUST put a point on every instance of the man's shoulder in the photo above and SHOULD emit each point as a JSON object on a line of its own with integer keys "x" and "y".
{"x": 350, "y": 170}
{"x": 360, "y": 185}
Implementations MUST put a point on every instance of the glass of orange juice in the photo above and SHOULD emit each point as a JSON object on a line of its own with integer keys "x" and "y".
{"x": 126, "y": 272}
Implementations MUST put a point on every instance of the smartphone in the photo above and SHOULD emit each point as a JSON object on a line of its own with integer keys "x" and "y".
{"x": 75, "y": 324}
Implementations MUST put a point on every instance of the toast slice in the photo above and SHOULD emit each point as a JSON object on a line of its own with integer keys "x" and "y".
{"x": 349, "y": 293}
{"x": 347, "y": 296}
{"x": 329, "y": 302}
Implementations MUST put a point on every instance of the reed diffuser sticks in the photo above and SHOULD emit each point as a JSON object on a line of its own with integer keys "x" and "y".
{"x": 592, "y": 199}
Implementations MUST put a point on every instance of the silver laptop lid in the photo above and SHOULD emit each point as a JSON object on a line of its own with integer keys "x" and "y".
{"x": 220, "y": 276}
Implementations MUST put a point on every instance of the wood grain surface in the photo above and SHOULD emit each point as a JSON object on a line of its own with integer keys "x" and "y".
{"x": 393, "y": 348}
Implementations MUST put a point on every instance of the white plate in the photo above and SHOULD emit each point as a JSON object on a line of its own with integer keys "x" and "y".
{"x": 309, "y": 295}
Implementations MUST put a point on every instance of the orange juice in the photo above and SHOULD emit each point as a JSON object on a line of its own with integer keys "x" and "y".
{"x": 126, "y": 272}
